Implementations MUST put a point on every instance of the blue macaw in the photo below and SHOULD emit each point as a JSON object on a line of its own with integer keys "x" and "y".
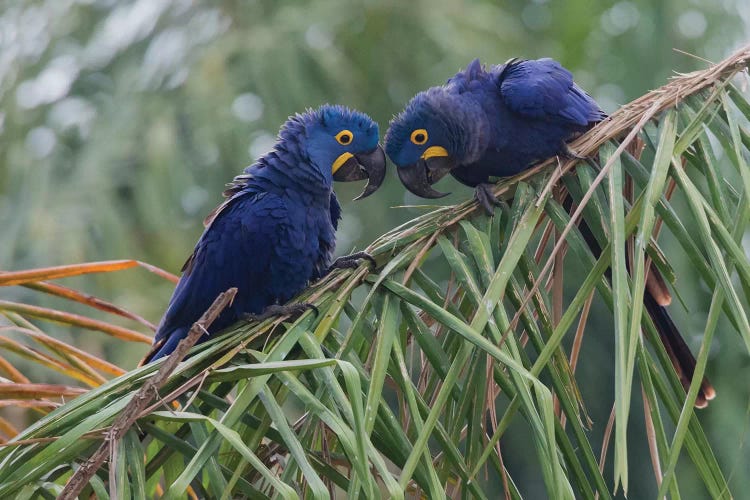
{"x": 484, "y": 124}
{"x": 276, "y": 231}
{"x": 496, "y": 123}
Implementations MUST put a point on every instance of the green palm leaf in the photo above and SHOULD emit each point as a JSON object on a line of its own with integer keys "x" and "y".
{"x": 410, "y": 377}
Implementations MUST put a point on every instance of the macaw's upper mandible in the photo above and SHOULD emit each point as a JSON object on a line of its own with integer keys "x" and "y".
{"x": 276, "y": 231}
{"x": 488, "y": 123}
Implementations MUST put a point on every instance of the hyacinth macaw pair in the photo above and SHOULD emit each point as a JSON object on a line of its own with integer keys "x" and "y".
{"x": 276, "y": 231}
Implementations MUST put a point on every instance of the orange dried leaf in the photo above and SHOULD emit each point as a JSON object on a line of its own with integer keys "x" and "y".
{"x": 38, "y": 404}
{"x": 159, "y": 272}
{"x": 7, "y": 430}
{"x": 49, "y": 273}
{"x": 37, "y": 391}
{"x": 89, "y": 300}
{"x": 11, "y": 371}
{"x": 45, "y": 360}
{"x": 56, "y": 272}
{"x": 75, "y": 320}
{"x": 61, "y": 348}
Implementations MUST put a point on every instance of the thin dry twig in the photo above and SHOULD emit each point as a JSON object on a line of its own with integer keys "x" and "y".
{"x": 606, "y": 439}
{"x": 648, "y": 115}
{"x": 420, "y": 255}
{"x": 651, "y": 438}
{"x": 557, "y": 304}
{"x": 578, "y": 342}
{"x": 142, "y": 398}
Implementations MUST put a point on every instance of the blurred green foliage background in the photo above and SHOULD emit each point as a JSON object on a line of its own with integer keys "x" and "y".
{"x": 120, "y": 122}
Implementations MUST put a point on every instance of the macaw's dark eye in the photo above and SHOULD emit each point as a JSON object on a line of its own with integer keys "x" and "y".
{"x": 419, "y": 136}
{"x": 344, "y": 137}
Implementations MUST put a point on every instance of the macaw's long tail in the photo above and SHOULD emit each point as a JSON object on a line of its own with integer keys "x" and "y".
{"x": 678, "y": 351}
{"x": 655, "y": 301}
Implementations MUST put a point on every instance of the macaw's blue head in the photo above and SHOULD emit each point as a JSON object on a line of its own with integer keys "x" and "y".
{"x": 439, "y": 130}
{"x": 339, "y": 144}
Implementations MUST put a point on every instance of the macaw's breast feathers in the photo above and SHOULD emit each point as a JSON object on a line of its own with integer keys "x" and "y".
{"x": 543, "y": 89}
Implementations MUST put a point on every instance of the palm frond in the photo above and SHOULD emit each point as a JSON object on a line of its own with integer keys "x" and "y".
{"x": 410, "y": 377}
{"x": 38, "y": 349}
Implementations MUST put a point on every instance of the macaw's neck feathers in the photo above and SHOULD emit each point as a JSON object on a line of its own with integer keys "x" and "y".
{"x": 470, "y": 79}
{"x": 238, "y": 184}
{"x": 456, "y": 122}
{"x": 288, "y": 164}
{"x": 283, "y": 166}
{"x": 290, "y": 168}
{"x": 474, "y": 70}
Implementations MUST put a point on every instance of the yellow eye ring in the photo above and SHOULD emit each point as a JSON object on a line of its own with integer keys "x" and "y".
{"x": 345, "y": 137}
{"x": 419, "y": 136}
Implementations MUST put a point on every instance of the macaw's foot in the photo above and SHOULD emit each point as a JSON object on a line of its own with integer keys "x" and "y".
{"x": 352, "y": 261}
{"x": 486, "y": 198}
{"x": 278, "y": 310}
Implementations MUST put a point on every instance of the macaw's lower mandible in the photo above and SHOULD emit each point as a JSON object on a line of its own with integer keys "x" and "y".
{"x": 488, "y": 123}
{"x": 276, "y": 231}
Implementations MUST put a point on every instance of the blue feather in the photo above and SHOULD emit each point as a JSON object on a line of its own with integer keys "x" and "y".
{"x": 496, "y": 122}
{"x": 275, "y": 232}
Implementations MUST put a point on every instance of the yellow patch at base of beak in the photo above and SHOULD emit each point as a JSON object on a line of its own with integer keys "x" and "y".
{"x": 343, "y": 158}
{"x": 434, "y": 151}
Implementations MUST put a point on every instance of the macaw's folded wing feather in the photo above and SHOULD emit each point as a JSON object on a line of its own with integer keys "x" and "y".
{"x": 544, "y": 90}
{"x": 225, "y": 257}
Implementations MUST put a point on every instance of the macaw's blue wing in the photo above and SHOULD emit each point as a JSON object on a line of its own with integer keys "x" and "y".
{"x": 236, "y": 249}
{"x": 544, "y": 90}
{"x": 335, "y": 211}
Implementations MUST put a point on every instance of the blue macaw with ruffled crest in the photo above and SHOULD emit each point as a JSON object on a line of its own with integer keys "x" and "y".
{"x": 497, "y": 122}
{"x": 276, "y": 231}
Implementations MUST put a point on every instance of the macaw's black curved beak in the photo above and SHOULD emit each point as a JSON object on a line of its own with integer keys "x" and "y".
{"x": 370, "y": 166}
{"x": 419, "y": 177}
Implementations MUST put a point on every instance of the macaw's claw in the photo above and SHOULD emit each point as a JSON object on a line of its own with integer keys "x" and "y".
{"x": 486, "y": 198}
{"x": 279, "y": 310}
{"x": 569, "y": 154}
{"x": 352, "y": 261}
